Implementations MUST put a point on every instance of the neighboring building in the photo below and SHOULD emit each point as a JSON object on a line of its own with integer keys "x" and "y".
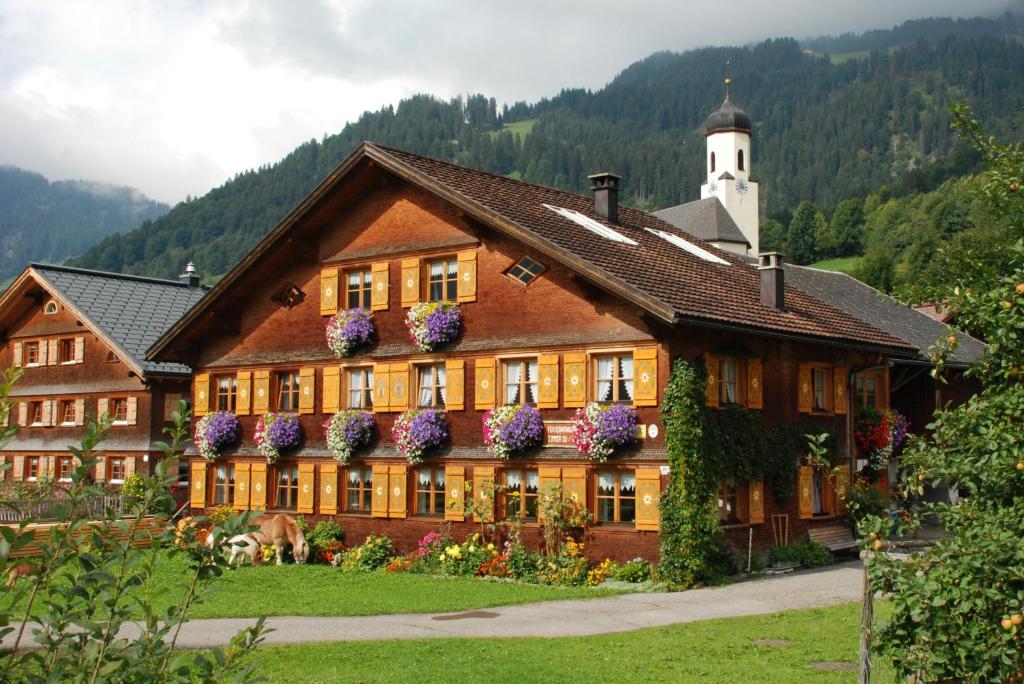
{"x": 80, "y": 337}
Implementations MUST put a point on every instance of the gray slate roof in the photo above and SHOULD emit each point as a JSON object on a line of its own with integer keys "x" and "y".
{"x": 706, "y": 219}
{"x": 133, "y": 311}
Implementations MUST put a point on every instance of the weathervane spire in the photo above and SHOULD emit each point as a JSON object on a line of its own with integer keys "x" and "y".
{"x": 728, "y": 80}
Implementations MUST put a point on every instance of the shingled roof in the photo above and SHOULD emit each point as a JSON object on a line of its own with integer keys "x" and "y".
{"x": 130, "y": 311}
{"x": 705, "y": 218}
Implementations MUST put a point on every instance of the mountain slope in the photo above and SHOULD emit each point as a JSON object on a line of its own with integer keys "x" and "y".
{"x": 44, "y": 221}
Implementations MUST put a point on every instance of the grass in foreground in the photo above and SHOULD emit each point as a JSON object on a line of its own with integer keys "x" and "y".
{"x": 711, "y": 651}
{"x": 842, "y": 264}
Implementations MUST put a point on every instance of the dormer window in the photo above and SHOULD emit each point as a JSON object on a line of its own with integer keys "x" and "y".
{"x": 51, "y": 308}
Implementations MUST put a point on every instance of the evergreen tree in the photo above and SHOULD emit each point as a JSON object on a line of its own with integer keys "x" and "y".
{"x": 845, "y": 233}
{"x": 772, "y": 236}
{"x": 801, "y": 238}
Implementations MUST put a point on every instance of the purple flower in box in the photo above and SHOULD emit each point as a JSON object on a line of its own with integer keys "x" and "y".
{"x": 215, "y": 431}
{"x": 350, "y": 329}
{"x": 511, "y": 428}
{"x": 415, "y": 432}
{"x": 600, "y": 429}
{"x": 276, "y": 432}
{"x": 348, "y": 430}
{"x": 432, "y": 324}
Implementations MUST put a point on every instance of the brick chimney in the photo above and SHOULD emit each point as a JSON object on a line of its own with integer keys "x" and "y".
{"x": 189, "y": 277}
{"x": 606, "y": 195}
{"x": 773, "y": 280}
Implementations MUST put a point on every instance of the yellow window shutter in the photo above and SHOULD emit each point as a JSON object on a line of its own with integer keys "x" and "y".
{"x": 841, "y": 483}
{"x": 381, "y": 289}
{"x": 455, "y": 384}
{"x": 328, "y": 489}
{"x": 804, "y": 402}
{"x": 381, "y": 387}
{"x": 201, "y": 403}
{"x": 755, "y": 392}
{"x": 307, "y": 390}
{"x": 486, "y": 384}
{"x": 260, "y": 392}
{"x": 483, "y": 493}
{"x": 329, "y": 291}
{"x": 839, "y": 387}
{"x": 397, "y": 478}
{"x": 241, "y": 495}
{"x": 711, "y": 366}
{"x": 574, "y": 483}
{"x": 410, "y": 282}
{"x": 755, "y": 502}
{"x": 467, "y": 276}
{"x": 648, "y": 498}
{"x": 307, "y": 486}
{"x": 805, "y": 492}
{"x": 18, "y": 469}
{"x": 645, "y": 376}
{"x": 549, "y": 477}
{"x": 243, "y": 398}
{"x": 547, "y": 381}
{"x": 455, "y": 489}
{"x": 379, "y": 505}
{"x": 399, "y": 386}
{"x": 332, "y": 389}
{"x": 197, "y": 498}
{"x": 258, "y": 487}
{"x": 574, "y": 384}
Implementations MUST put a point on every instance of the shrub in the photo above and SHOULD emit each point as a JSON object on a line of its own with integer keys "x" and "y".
{"x": 864, "y": 500}
{"x": 373, "y": 554}
{"x": 602, "y": 572}
{"x": 570, "y": 567}
{"x": 635, "y": 571}
{"x": 326, "y": 540}
{"x": 522, "y": 563}
{"x": 809, "y": 553}
{"x": 134, "y": 486}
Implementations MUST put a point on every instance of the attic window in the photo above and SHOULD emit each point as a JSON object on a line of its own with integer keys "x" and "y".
{"x": 51, "y": 308}
{"x": 289, "y": 297}
{"x": 591, "y": 225}
{"x": 526, "y": 270}
{"x": 112, "y": 357}
{"x": 688, "y": 246}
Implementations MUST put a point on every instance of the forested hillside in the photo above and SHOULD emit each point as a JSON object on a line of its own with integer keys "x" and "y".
{"x": 44, "y": 221}
{"x": 824, "y": 130}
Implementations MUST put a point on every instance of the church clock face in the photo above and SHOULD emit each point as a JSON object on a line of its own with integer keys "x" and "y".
{"x": 741, "y": 186}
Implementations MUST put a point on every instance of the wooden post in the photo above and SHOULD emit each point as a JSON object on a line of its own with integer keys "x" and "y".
{"x": 867, "y": 616}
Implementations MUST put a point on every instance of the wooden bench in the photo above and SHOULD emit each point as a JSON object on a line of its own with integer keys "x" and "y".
{"x": 834, "y": 537}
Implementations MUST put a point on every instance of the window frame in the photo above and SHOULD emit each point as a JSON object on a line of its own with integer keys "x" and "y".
{"x": 51, "y": 307}
{"x": 35, "y": 408}
{"x": 740, "y": 380}
{"x": 439, "y": 390}
{"x": 293, "y": 391}
{"x": 224, "y": 489}
{"x": 879, "y": 379}
{"x": 434, "y": 494}
{"x": 62, "y": 409}
{"x": 364, "y": 290}
{"x": 517, "y": 270}
{"x": 364, "y": 490}
{"x": 63, "y": 467}
{"x": 449, "y": 281}
{"x": 617, "y": 497}
{"x": 65, "y": 350}
{"x": 36, "y": 346}
{"x": 37, "y": 462}
{"x": 117, "y": 416}
{"x": 291, "y": 489}
{"x": 112, "y": 357}
{"x": 366, "y": 391}
{"x": 828, "y": 391}
{"x": 740, "y": 493}
{"x": 231, "y": 396}
{"x": 616, "y": 356}
{"x": 122, "y": 464}
{"x": 525, "y": 360}
{"x": 522, "y": 497}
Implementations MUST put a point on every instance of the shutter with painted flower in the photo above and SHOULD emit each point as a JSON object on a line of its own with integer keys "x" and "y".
{"x": 467, "y": 276}
{"x": 805, "y": 492}
{"x": 410, "y": 282}
{"x": 329, "y": 291}
{"x": 648, "y": 499}
{"x": 243, "y": 395}
{"x": 397, "y": 478}
{"x": 307, "y": 390}
{"x": 242, "y": 487}
{"x": 455, "y": 384}
{"x": 574, "y": 380}
{"x": 645, "y": 377}
{"x": 547, "y": 381}
{"x": 549, "y": 478}
{"x": 804, "y": 393}
{"x": 483, "y": 493}
{"x": 328, "y": 489}
{"x": 399, "y": 386}
{"x": 755, "y": 502}
{"x": 307, "y": 484}
{"x": 711, "y": 390}
{"x": 381, "y": 387}
{"x": 258, "y": 487}
{"x": 331, "y": 389}
{"x": 379, "y": 503}
{"x": 380, "y": 287}
{"x": 755, "y": 381}
{"x": 486, "y": 384}
{"x": 839, "y": 377}
{"x": 260, "y": 392}
{"x": 197, "y": 498}
{"x": 455, "y": 493}
{"x": 201, "y": 402}
{"x": 574, "y": 485}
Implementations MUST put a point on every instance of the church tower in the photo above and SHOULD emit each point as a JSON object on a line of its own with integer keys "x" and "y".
{"x": 727, "y": 131}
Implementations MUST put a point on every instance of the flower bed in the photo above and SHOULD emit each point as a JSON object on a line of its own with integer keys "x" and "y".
{"x": 276, "y": 432}
{"x": 416, "y": 432}
{"x": 432, "y": 324}
{"x": 349, "y": 330}
{"x": 215, "y": 431}
{"x": 599, "y": 429}
{"x": 508, "y": 429}
{"x": 348, "y": 430}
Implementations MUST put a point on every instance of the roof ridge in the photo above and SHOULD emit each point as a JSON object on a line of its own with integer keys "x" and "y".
{"x": 111, "y": 274}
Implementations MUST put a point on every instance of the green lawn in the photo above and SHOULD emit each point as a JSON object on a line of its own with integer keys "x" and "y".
{"x": 520, "y": 128}
{"x": 712, "y": 651}
{"x": 842, "y": 264}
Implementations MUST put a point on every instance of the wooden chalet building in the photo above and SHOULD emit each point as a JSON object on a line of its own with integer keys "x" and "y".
{"x": 80, "y": 338}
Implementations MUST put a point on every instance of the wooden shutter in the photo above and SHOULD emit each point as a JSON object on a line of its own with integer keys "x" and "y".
{"x": 648, "y": 498}
{"x": 574, "y": 380}
{"x": 397, "y": 478}
{"x": 133, "y": 410}
{"x": 755, "y": 390}
{"x": 47, "y": 412}
{"x": 486, "y": 384}
{"x": 51, "y": 466}
{"x": 328, "y": 489}
{"x": 79, "y": 411}
{"x": 455, "y": 489}
{"x": 197, "y": 499}
{"x": 839, "y": 388}
{"x": 574, "y": 483}
{"x": 803, "y": 402}
{"x": 307, "y": 390}
{"x": 201, "y": 403}
{"x": 22, "y": 413}
{"x": 548, "y": 477}
{"x": 379, "y": 506}
{"x": 260, "y": 392}
{"x": 410, "y": 282}
{"x": 841, "y": 483}
{"x": 49, "y": 352}
{"x": 467, "y": 276}
{"x": 455, "y": 384}
{"x": 18, "y": 469}
{"x": 19, "y": 353}
{"x": 805, "y": 492}
{"x": 101, "y": 407}
{"x": 307, "y": 486}
{"x": 645, "y": 377}
{"x": 711, "y": 366}
{"x": 258, "y": 487}
{"x": 399, "y": 392}
{"x": 381, "y": 387}
{"x": 79, "y": 350}
{"x": 329, "y": 291}
{"x": 547, "y": 381}
{"x": 332, "y": 389}
{"x": 483, "y": 493}
{"x": 379, "y": 283}
{"x": 242, "y": 487}
{"x": 755, "y": 502}
{"x": 243, "y": 397}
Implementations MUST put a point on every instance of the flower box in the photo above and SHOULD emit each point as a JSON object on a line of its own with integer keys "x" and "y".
{"x": 276, "y": 432}
{"x": 348, "y": 430}
{"x": 416, "y": 432}
{"x": 599, "y": 429}
{"x": 350, "y": 330}
{"x": 511, "y": 428}
{"x": 433, "y": 324}
{"x": 215, "y": 431}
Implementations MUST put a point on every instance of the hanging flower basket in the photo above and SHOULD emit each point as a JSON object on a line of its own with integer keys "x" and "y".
{"x": 432, "y": 324}
{"x": 512, "y": 428}
{"x": 880, "y": 434}
{"x": 416, "y": 432}
{"x": 599, "y": 429}
{"x": 349, "y": 330}
{"x": 276, "y": 432}
{"x": 215, "y": 431}
{"x": 346, "y": 431}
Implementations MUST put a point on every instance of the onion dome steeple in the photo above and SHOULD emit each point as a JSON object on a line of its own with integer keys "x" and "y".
{"x": 728, "y": 117}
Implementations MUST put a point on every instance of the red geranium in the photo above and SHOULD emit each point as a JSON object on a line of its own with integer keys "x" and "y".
{"x": 872, "y": 430}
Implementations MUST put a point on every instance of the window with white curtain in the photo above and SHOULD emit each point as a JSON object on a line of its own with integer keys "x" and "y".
{"x": 614, "y": 378}
{"x": 360, "y": 388}
{"x": 521, "y": 381}
{"x": 443, "y": 280}
{"x": 431, "y": 385}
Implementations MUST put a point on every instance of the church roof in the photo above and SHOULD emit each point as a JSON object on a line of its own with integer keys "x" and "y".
{"x": 728, "y": 117}
{"x": 706, "y": 219}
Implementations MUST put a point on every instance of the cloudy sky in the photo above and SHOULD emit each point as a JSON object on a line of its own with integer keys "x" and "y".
{"x": 175, "y": 96}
